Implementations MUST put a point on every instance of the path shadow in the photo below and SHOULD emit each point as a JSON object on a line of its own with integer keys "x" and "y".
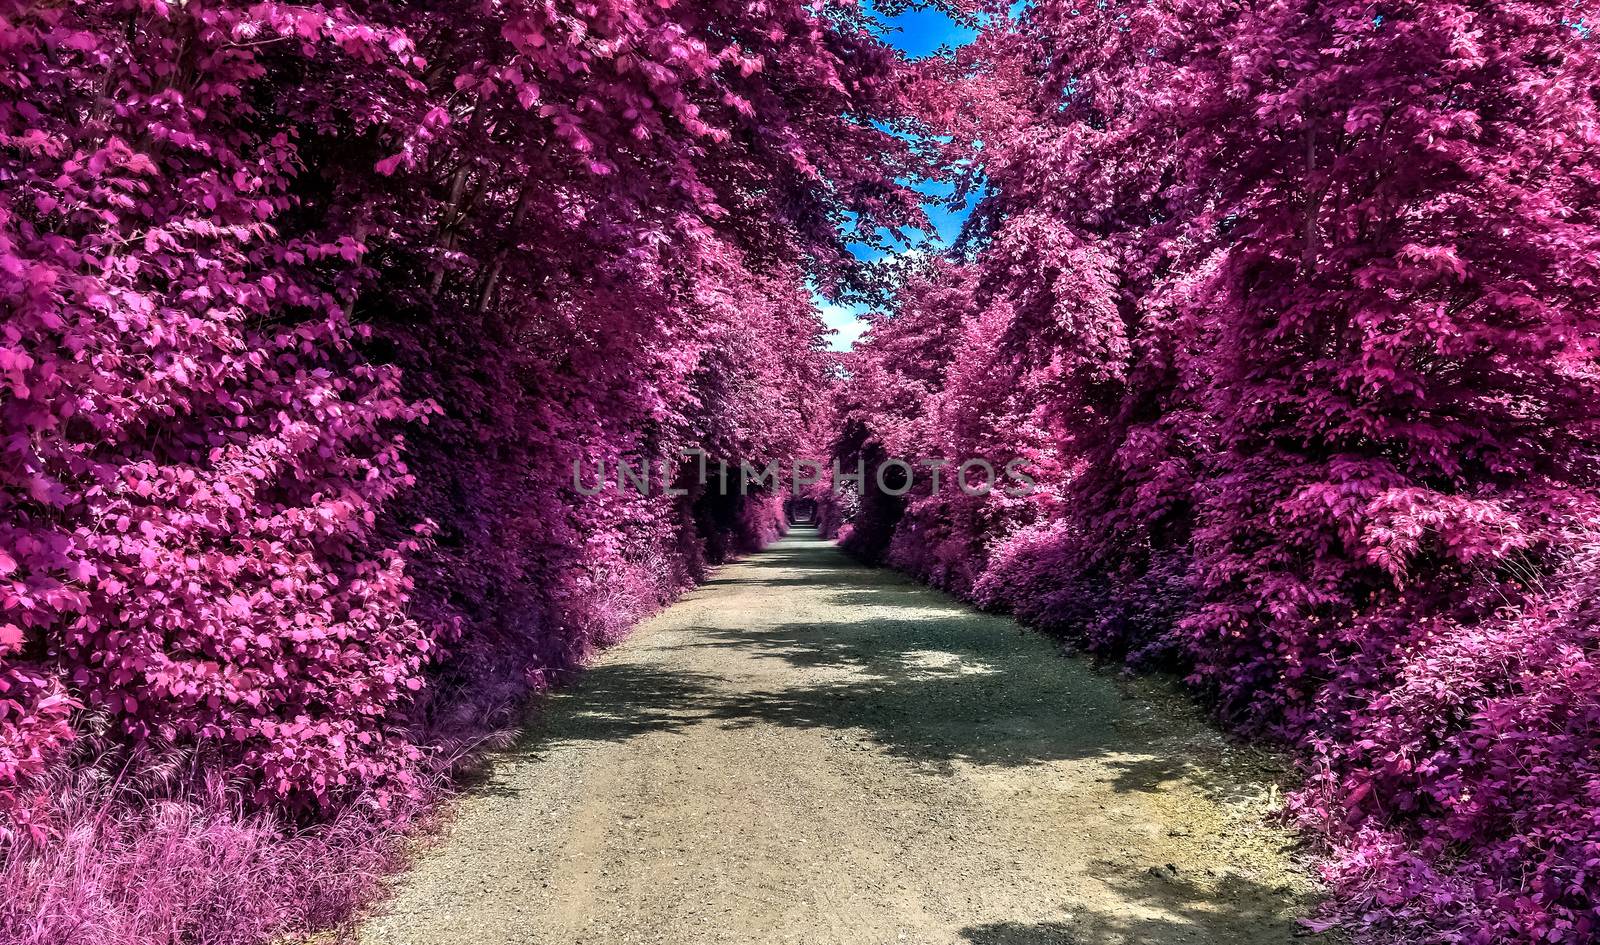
{"x": 1168, "y": 907}
{"x": 801, "y": 581}
{"x": 921, "y": 676}
{"x": 617, "y": 701}
{"x": 930, "y": 692}
{"x": 611, "y": 702}
{"x": 933, "y": 704}
{"x": 933, "y": 683}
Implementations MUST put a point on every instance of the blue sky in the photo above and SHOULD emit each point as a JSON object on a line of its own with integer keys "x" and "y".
{"x": 918, "y": 32}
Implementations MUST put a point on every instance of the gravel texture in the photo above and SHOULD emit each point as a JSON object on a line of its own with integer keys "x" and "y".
{"x": 808, "y": 751}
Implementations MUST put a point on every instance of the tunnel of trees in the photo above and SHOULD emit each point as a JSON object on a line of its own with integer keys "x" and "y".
{"x": 310, "y": 310}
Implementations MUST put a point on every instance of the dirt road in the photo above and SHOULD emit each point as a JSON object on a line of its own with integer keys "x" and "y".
{"x": 807, "y": 751}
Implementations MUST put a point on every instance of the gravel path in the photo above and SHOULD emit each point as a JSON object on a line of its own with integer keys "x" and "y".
{"x": 807, "y": 751}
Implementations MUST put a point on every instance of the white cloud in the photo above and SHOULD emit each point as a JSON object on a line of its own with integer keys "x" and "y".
{"x": 846, "y": 321}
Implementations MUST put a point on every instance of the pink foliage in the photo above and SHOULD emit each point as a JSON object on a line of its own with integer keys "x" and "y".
{"x": 141, "y": 861}
{"x": 1293, "y": 307}
{"x": 309, "y": 311}
{"x": 195, "y": 454}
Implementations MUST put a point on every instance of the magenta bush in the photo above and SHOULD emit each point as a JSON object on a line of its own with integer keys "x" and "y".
{"x": 1293, "y": 306}
{"x": 309, "y": 311}
{"x": 196, "y": 453}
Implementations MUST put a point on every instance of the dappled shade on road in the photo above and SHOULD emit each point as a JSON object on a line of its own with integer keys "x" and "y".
{"x": 806, "y": 750}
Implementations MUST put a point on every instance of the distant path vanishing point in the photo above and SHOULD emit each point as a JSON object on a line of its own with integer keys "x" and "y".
{"x": 808, "y": 751}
